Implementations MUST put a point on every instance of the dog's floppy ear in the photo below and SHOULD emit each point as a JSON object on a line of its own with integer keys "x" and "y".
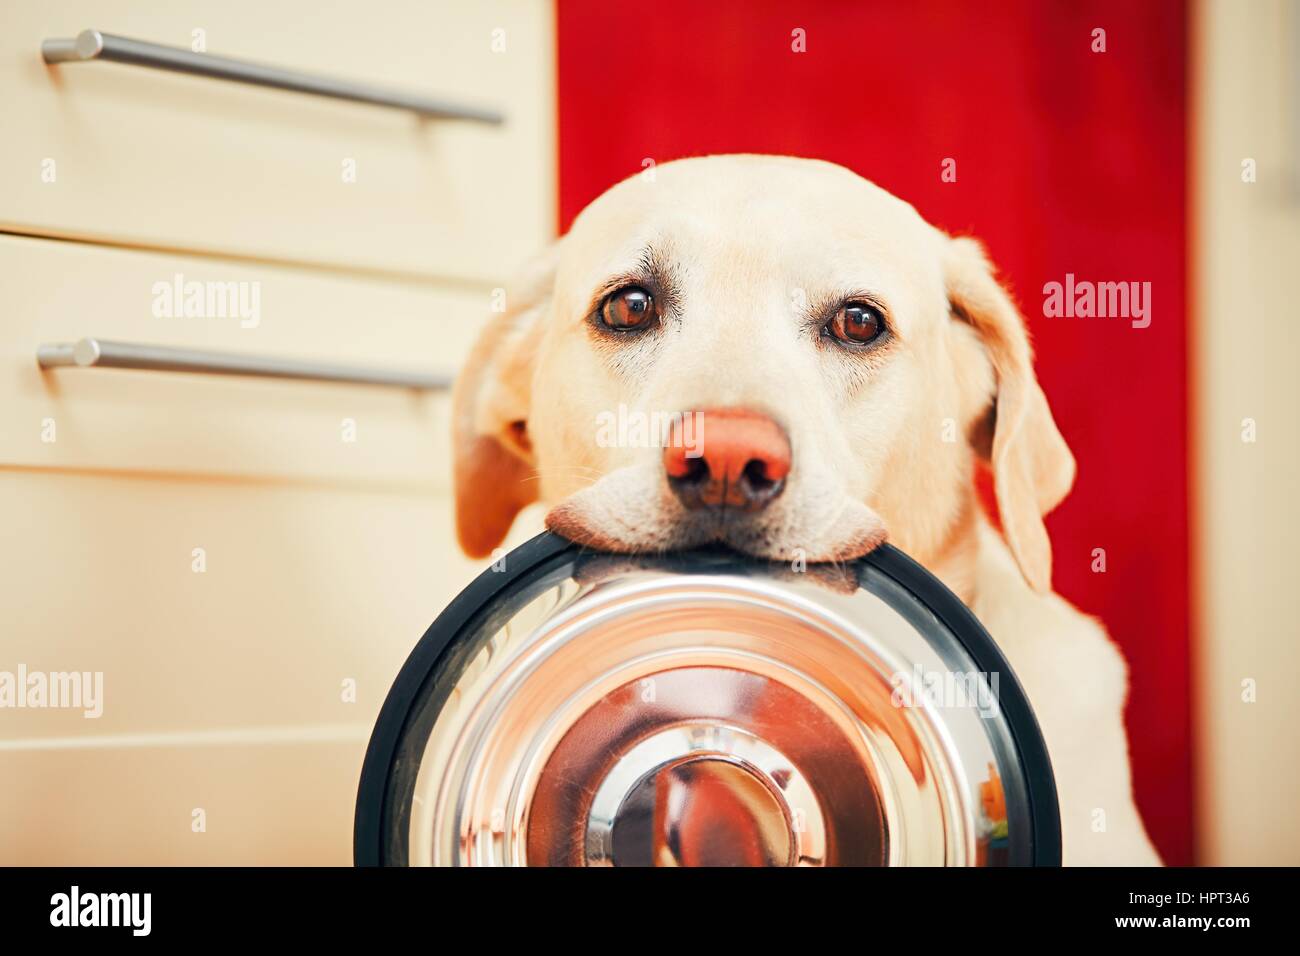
{"x": 1032, "y": 466}
{"x": 494, "y": 474}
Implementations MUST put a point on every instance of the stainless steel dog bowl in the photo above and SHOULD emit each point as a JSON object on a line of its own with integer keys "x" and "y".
{"x": 580, "y": 709}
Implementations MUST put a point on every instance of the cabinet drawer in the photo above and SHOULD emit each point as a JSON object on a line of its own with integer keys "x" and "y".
{"x": 223, "y": 682}
{"x": 121, "y": 153}
{"x": 185, "y": 422}
{"x": 264, "y": 803}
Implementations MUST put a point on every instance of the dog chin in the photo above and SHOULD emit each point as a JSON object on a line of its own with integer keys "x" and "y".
{"x": 633, "y": 513}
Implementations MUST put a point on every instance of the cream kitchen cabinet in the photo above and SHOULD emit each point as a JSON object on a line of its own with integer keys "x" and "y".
{"x": 145, "y": 157}
{"x": 241, "y": 564}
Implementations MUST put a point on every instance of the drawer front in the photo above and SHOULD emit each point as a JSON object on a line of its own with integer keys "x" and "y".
{"x": 184, "y": 422}
{"x": 262, "y": 803}
{"x": 126, "y": 154}
{"x": 241, "y": 679}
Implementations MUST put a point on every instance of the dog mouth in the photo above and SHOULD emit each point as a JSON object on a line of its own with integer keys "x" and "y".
{"x": 631, "y": 511}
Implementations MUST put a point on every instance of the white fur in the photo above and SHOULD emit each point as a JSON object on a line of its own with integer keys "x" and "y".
{"x": 885, "y": 441}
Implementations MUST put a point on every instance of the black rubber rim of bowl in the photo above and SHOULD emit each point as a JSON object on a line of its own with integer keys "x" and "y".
{"x": 372, "y": 826}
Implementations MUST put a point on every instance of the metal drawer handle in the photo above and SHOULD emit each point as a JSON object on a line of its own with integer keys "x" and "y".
{"x": 94, "y": 45}
{"x": 91, "y": 352}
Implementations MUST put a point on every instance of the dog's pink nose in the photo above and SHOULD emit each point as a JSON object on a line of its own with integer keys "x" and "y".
{"x": 727, "y": 457}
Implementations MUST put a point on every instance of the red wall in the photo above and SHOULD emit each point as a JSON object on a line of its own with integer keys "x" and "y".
{"x": 1067, "y": 161}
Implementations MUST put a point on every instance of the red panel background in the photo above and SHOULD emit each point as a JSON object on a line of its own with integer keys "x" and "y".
{"x": 1067, "y": 161}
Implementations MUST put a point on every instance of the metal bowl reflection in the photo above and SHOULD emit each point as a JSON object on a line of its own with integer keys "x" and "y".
{"x": 705, "y": 710}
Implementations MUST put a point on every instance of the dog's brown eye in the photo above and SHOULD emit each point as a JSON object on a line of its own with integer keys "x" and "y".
{"x": 857, "y": 323}
{"x": 629, "y": 308}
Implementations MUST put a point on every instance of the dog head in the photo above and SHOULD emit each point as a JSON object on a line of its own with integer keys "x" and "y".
{"x": 767, "y": 352}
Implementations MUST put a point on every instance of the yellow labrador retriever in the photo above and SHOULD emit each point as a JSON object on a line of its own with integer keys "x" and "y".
{"x": 842, "y": 364}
